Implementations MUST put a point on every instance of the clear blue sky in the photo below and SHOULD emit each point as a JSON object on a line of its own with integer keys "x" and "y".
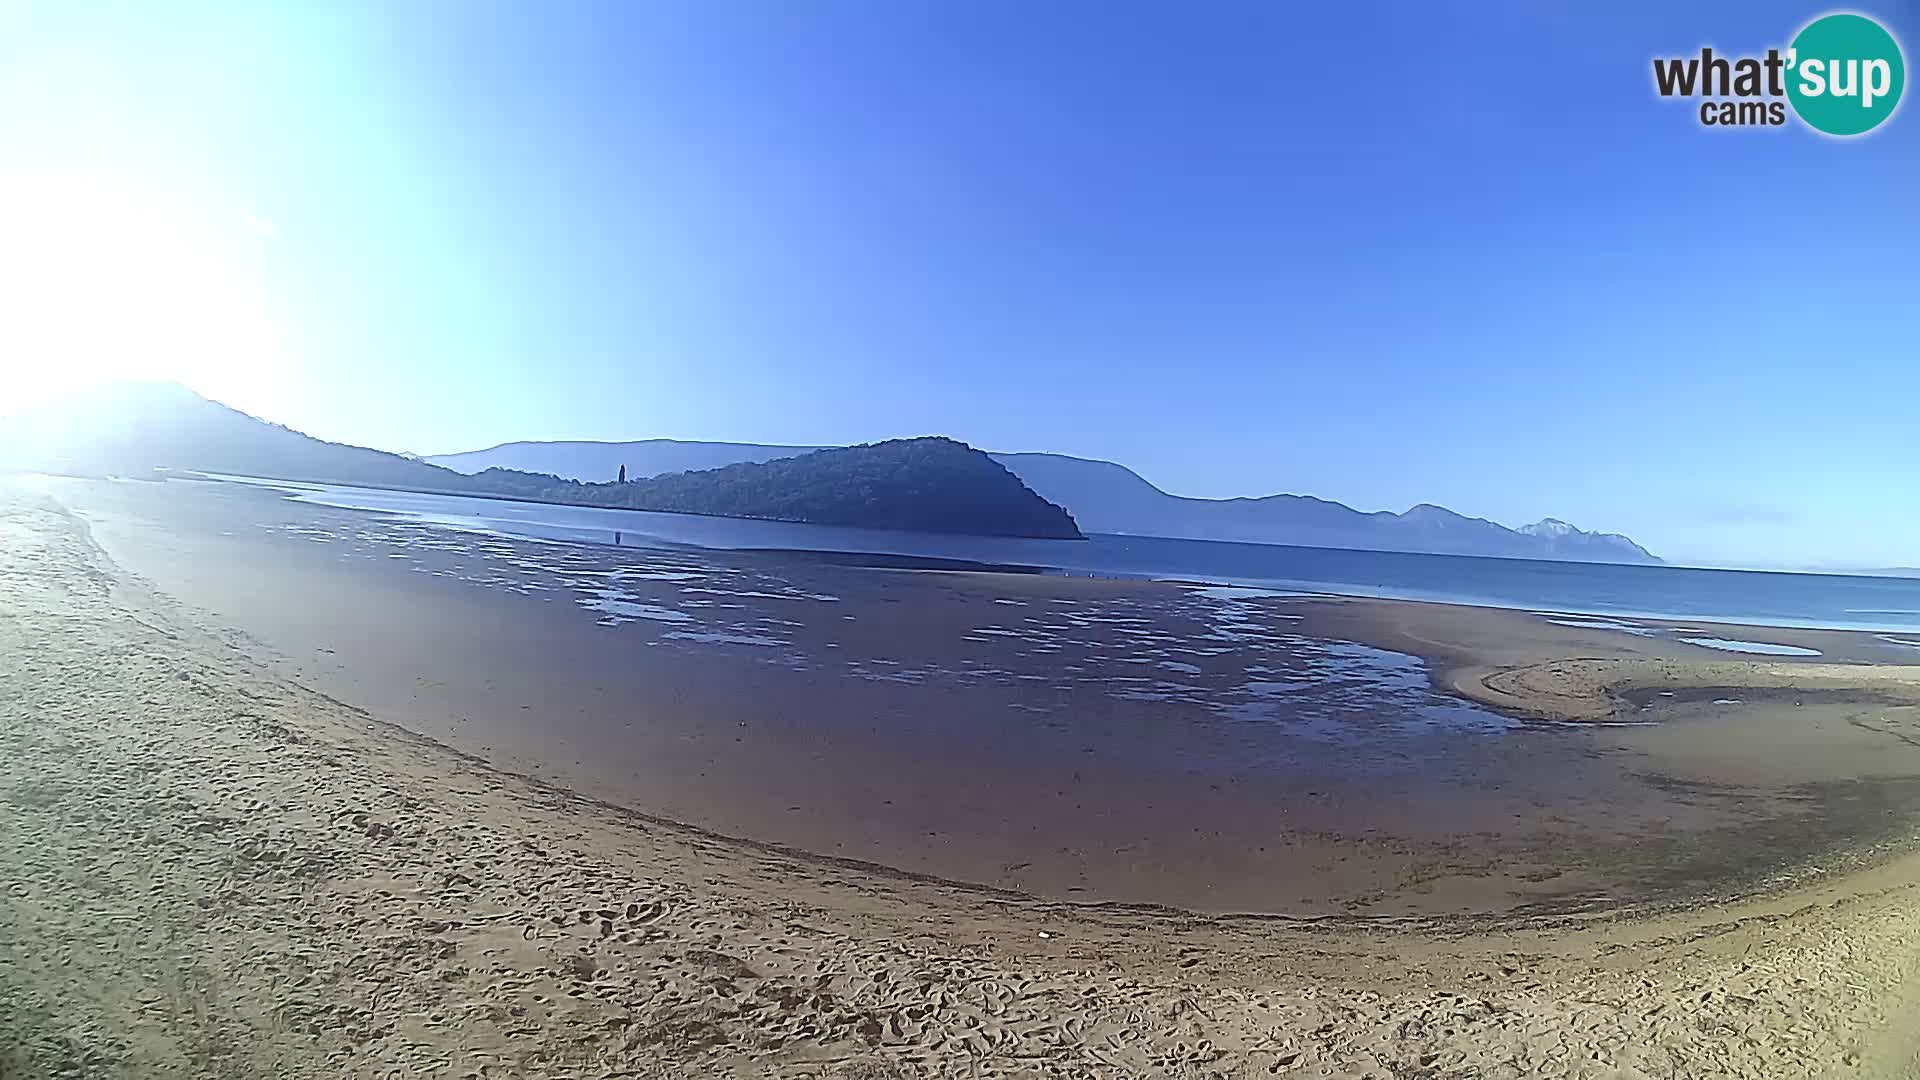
{"x": 1385, "y": 254}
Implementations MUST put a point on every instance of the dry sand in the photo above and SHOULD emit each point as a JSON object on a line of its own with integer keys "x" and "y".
{"x": 212, "y": 870}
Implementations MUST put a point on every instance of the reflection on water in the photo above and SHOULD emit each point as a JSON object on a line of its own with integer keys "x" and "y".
{"x": 721, "y": 637}
{"x": 1317, "y": 688}
{"x": 1248, "y": 592}
{"x": 1605, "y": 624}
{"x": 1233, "y": 653}
{"x": 1766, "y": 647}
{"x": 620, "y": 607}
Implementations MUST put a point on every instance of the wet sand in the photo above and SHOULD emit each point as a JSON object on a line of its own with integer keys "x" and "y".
{"x": 215, "y": 870}
{"x": 1092, "y": 741}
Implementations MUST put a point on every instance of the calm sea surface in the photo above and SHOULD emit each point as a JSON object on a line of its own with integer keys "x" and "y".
{"x": 1884, "y": 604}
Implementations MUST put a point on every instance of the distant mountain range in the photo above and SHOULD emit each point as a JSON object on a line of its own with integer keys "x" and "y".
{"x": 597, "y": 461}
{"x": 928, "y": 484}
{"x": 1109, "y": 498}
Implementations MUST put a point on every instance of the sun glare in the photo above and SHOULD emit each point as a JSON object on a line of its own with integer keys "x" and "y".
{"x": 100, "y": 284}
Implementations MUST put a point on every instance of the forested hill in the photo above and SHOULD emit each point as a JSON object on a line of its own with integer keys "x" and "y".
{"x": 928, "y": 484}
{"x": 1107, "y": 497}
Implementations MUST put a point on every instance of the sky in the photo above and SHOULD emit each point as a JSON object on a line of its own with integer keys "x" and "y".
{"x": 1385, "y": 254}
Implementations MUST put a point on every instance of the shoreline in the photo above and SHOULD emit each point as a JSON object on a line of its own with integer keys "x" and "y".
{"x": 441, "y": 894}
{"x": 1165, "y": 798}
{"x": 885, "y": 559}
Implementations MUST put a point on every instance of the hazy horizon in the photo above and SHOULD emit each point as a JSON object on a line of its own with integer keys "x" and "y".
{"x": 1494, "y": 272}
{"x": 82, "y": 396}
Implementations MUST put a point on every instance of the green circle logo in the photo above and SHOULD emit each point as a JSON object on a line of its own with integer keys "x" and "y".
{"x": 1845, "y": 74}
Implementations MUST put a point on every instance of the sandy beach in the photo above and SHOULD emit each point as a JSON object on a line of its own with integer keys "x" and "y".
{"x": 236, "y": 851}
